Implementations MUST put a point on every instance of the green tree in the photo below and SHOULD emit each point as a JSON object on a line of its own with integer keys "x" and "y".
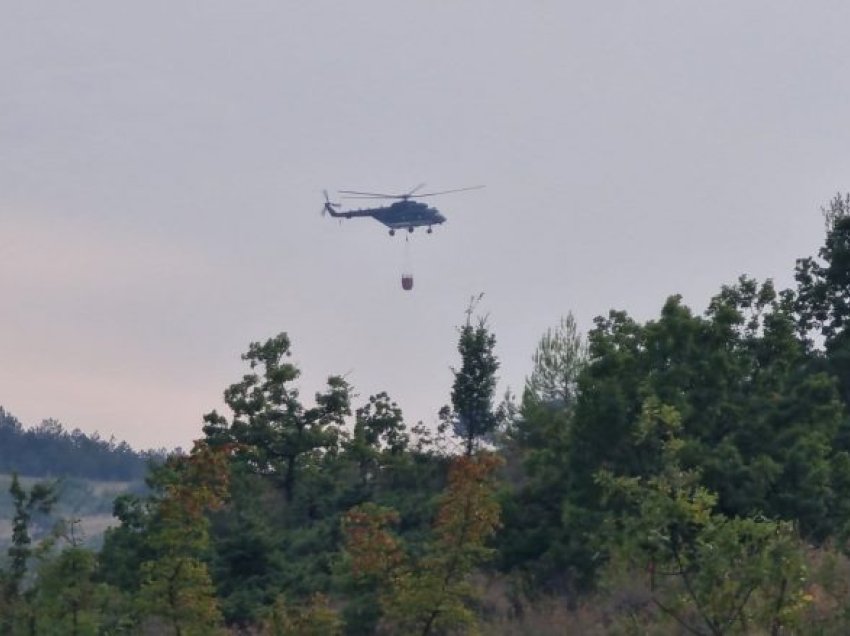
{"x": 279, "y": 531}
{"x": 126, "y": 546}
{"x": 176, "y": 586}
{"x": 557, "y": 362}
{"x": 249, "y": 563}
{"x": 823, "y": 293}
{"x": 40, "y": 499}
{"x": 761, "y": 424}
{"x": 270, "y": 428}
{"x": 15, "y": 602}
{"x": 431, "y": 593}
{"x": 68, "y": 600}
{"x": 711, "y": 573}
{"x": 532, "y": 540}
{"x": 472, "y": 416}
{"x": 379, "y": 432}
{"x": 314, "y": 618}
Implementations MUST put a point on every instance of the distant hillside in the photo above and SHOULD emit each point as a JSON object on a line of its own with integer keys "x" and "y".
{"x": 48, "y": 450}
{"x": 90, "y": 502}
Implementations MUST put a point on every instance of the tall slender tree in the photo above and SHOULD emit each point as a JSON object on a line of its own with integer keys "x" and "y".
{"x": 15, "y": 604}
{"x": 823, "y": 293}
{"x": 472, "y": 415}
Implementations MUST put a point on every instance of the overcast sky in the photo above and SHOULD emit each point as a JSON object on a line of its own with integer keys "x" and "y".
{"x": 162, "y": 162}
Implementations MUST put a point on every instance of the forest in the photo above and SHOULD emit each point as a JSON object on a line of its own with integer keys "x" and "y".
{"x": 49, "y": 450}
{"x": 685, "y": 475}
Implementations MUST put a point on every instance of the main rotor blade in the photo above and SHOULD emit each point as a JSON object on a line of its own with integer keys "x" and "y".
{"x": 369, "y": 197}
{"x": 375, "y": 195}
{"x": 433, "y": 194}
{"x": 421, "y": 185}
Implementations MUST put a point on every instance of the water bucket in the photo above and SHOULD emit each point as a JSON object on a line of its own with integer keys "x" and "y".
{"x": 407, "y": 282}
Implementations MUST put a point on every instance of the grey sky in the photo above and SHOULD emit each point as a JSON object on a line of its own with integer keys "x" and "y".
{"x": 161, "y": 168}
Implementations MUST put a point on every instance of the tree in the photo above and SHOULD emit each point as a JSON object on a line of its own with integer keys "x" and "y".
{"x": 472, "y": 415}
{"x": 532, "y": 540}
{"x": 711, "y": 573}
{"x": 279, "y": 531}
{"x": 823, "y": 293}
{"x": 40, "y": 499}
{"x": 315, "y": 618}
{"x": 271, "y": 430}
{"x": 49, "y": 449}
{"x": 176, "y": 585}
{"x": 761, "y": 424}
{"x": 126, "y": 545}
{"x": 432, "y": 593}
{"x": 248, "y": 562}
{"x": 67, "y": 599}
{"x": 15, "y": 606}
{"x": 379, "y": 429}
{"x": 557, "y": 363}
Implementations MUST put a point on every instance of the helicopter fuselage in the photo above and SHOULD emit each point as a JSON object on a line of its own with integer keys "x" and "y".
{"x": 404, "y": 214}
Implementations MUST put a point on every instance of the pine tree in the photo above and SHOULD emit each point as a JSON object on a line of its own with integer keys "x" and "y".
{"x": 472, "y": 416}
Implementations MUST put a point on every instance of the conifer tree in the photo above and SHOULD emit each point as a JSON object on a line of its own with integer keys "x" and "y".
{"x": 557, "y": 362}
{"x": 472, "y": 416}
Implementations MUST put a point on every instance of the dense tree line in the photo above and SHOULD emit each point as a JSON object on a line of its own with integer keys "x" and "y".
{"x": 687, "y": 474}
{"x": 49, "y": 450}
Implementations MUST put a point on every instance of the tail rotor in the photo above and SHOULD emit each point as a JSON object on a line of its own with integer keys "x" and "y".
{"x": 328, "y": 206}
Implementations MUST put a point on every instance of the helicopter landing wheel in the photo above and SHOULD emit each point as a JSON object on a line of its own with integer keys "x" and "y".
{"x": 430, "y": 230}
{"x": 392, "y": 232}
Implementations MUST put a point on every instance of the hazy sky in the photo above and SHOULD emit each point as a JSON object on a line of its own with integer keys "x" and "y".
{"x": 162, "y": 162}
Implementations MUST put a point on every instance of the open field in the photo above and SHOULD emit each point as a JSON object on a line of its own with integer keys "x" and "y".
{"x": 89, "y": 501}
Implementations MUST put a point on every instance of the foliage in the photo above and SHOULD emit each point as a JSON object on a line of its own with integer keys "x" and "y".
{"x": 713, "y": 574}
{"x": 40, "y": 499}
{"x": 296, "y": 470}
{"x": 271, "y": 429}
{"x": 472, "y": 417}
{"x": 379, "y": 430}
{"x": 89, "y": 501}
{"x": 823, "y": 294}
{"x": 535, "y": 445}
{"x": 663, "y": 478}
{"x": 16, "y": 607}
{"x": 557, "y": 362}
{"x": 760, "y": 426}
{"x": 315, "y": 618}
{"x": 176, "y": 585}
{"x": 430, "y": 593}
{"x": 67, "y": 599}
{"x": 48, "y": 450}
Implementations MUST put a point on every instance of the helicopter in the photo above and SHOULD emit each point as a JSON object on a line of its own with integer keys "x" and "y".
{"x": 404, "y": 213}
